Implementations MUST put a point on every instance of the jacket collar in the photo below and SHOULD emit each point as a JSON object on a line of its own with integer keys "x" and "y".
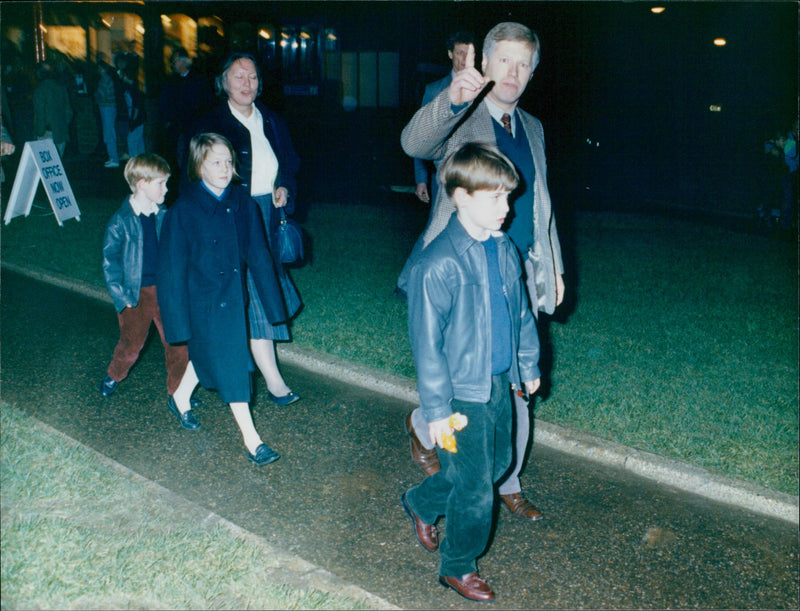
{"x": 458, "y": 235}
{"x": 210, "y": 204}
{"x": 138, "y": 209}
{"x": 461, "y": 240}
{"x": 126, "y": 209}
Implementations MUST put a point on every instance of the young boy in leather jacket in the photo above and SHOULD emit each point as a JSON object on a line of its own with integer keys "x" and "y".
{"x": 473, "y": 337}
{"x": 130, "y": 253}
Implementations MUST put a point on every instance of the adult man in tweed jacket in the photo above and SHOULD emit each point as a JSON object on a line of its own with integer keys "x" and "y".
{"x": 458, "y": 115}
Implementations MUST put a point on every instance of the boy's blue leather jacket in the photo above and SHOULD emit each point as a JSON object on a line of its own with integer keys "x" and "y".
{"x": 449, "y": 320}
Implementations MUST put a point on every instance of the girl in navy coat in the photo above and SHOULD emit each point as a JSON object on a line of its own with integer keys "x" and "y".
{"x": 267, "y": 165}
{"x": 211, "y": 237}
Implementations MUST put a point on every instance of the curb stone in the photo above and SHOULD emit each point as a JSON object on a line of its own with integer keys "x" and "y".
{"x": 666, "y": 471}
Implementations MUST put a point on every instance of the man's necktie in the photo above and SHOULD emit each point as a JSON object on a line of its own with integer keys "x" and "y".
{"x": 506, "y": 121}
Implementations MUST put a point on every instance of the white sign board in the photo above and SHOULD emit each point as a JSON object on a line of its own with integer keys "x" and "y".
{"x": 40, "y": 161}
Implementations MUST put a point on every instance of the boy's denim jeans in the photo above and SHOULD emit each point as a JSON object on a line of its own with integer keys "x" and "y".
{"x": 463, "y": 491}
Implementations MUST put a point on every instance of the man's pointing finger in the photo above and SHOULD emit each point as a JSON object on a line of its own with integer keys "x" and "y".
{"x": 469, "y": 62}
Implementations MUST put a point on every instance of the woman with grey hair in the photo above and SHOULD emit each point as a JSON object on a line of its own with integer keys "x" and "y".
{"x": 266, "y": 163}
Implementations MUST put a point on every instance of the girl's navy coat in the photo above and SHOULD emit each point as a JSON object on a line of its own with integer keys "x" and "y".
{"x": 206, "y": 246}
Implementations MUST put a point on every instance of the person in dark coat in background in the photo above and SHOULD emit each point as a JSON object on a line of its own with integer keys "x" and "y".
{"x": 18, "y": 85}
{"x": 6, "y": 148}
{"x": 52, "y": 111}
{"x": 457, "y": 46}
{"x": 136, "y": 113}
{"x": 212, "y": 236}
{"x": 186, "y": 96}
{"x": 267, "y": 164}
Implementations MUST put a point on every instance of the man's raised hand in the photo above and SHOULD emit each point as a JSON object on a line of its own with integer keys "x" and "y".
{"x": 466, "y": 83}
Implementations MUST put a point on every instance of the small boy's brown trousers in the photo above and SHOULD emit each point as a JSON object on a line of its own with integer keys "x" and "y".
{"x": 134, "y": 325}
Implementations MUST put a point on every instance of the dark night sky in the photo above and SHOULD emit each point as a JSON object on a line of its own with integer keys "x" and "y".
{"x": 640, "y": 84}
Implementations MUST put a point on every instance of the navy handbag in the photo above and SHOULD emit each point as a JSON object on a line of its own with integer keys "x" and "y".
{"x": 290, "y": 240}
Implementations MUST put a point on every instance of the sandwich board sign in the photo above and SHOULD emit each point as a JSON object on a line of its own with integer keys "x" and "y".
{"x": 40, "y": 161}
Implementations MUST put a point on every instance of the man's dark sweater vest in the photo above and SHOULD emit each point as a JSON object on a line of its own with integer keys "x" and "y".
{"x": 521, "y": 201}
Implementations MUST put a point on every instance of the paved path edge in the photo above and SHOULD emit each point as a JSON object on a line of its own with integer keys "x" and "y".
{"x": 666, "y": 471}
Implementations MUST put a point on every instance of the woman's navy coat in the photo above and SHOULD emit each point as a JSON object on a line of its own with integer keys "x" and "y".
{"x": 221, "y": 121}
{"x": 206, "y": 246}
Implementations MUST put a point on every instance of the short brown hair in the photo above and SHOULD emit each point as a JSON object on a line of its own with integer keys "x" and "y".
{"x": 199, "y": 148}
{"x": 478, "y": 167}
{"x": 147, "y": 166}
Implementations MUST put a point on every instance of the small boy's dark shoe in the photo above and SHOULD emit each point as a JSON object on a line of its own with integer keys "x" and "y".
{"x": 108, "y": 386}
{"x": 187, "y": 419}
{"x": 263, "y": 456}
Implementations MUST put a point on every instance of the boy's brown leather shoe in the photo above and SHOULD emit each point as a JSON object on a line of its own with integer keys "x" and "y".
{"x": 427, "y": 534}
{"x": 470, "y": 586}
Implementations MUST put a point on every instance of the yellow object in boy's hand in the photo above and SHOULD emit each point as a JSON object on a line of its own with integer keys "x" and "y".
{"x": 457, "y": 421}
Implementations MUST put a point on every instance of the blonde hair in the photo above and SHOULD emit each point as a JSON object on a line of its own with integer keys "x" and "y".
{"x": 517, "y": 32}
{"x": 199, "y": 148}
{"x": 147, "y": 166}
{"x": 478, "y": 167}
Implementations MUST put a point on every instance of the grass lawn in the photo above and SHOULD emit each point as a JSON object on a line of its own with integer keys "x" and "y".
{"x": 679, "y": 338}
{"x": 79, "y": 535}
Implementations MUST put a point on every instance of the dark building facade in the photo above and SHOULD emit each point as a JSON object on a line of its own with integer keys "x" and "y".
{"x": 635, "y": 105}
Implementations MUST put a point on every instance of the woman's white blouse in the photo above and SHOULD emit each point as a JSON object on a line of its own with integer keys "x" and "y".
{"x": 265, "y": 162}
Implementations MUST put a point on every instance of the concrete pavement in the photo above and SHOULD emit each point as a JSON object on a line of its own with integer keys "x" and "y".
{"x": 670, "y": 472}
{"x": 610, "y": 539}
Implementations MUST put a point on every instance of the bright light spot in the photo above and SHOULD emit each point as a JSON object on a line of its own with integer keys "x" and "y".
{"x": 140, "y": 28}
{"x": 349, "y": 103}
{"x": 264, "y": 34}
{"x": 657, "y": 10}
{"x": 720, "y": 42}
{"x": 715, "y": 108}
{"x": 166, "y": 20}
